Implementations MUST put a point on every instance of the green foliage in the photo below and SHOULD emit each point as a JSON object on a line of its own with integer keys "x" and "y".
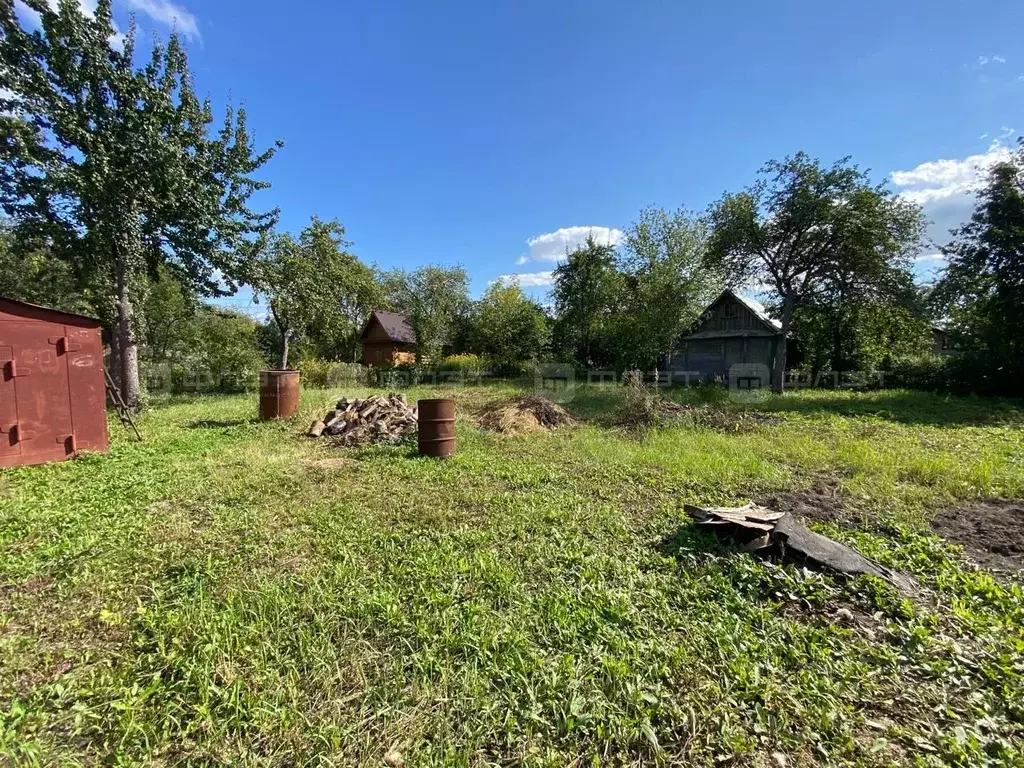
{"x": 814, "y": 235}
{"x": 628, "y": 309}
{"x": 669, "y": 283}
{"x": 466, "y": 362}
{"x": 217, "y": 594}
{"x": 313, "y": 286}
{"x": 170, "y": 318}
{"x": 509, "y": 328}
{"x": 318, "y": 373}
{"x": 433, "y": 298}
{"x": 855, "y": 334}
{"x": 982, "y": 289}
{"x": 219, "y": 353}
{"x": 588, "y": 295}
{"x": 115, "y": 167}
{"x": 34, "y": 274}
{"x": 229, "y": 350}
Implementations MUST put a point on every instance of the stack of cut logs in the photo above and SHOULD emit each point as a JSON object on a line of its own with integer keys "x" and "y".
{"x": 368, "y": 420}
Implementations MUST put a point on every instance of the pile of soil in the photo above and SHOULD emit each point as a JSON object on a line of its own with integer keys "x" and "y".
{"x": 524, "y": 415}
{"x": 991, "y": 532}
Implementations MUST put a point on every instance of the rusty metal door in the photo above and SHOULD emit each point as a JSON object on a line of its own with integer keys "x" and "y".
{"x": 9, "y": 445}
{"x": 42, "y": 397}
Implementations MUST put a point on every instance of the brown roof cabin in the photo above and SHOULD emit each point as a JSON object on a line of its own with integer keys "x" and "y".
{"x": 388, "y": 339}
{"x": 733, "y": 331}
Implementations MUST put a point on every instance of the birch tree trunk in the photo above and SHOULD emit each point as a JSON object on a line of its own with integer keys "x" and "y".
{"x": 128, "y": 253}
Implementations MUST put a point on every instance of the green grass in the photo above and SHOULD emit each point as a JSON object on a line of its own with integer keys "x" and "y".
{"x": 213, "y": 596}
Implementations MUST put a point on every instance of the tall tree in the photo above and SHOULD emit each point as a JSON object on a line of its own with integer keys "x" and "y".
{"x": 433, "y": 297}
{"x": 801, "y": 226}
{"x": 670, "y": 283}
{"x": 509, "y": 327}
{"x": 982, "y": 288}
{"x": 115, "y": 167}
{"x": 307, "y": 282}
{"x": 588, "y": 294}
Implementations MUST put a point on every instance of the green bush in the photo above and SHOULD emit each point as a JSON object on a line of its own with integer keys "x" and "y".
{"x": 960, "y": 373}
{"x": 327, "y": 374}
{"x": 466, "y": 363}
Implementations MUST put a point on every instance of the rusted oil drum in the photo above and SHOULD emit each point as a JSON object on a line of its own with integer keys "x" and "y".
{"x": 279, "y": 394}
{"x": 437, "y": 427}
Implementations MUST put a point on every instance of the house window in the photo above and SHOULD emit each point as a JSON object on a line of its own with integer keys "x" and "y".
{"x": 731, "y": 311}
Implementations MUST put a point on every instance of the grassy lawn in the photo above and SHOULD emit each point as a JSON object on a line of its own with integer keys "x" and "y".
{"x": 221, "y": 595}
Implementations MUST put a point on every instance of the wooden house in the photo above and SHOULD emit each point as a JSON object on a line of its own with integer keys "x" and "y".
{"x": 733, "y": 331}
{"x": 388, "y": 339}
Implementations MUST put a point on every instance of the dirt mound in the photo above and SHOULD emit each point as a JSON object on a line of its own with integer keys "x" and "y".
{"x": 523, "y": 415}
{"x": 991, "y": 532}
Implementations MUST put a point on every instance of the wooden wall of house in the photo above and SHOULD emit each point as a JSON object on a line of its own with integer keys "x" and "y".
{"x": 388, "y": 353}
{"x": 712, "y": 359}
{"x": 376, "y": 333}
{"x": 730, "y": 314}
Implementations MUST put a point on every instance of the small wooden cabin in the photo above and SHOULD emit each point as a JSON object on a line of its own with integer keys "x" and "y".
{"x": 733, "y": 330}
{"x": 388, "y": 339}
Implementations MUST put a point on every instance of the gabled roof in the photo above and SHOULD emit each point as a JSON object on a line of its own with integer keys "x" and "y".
{"x": 395, "y": 325}
{"x": 48, "y": 314}
{"x": 770, "y": 327}
{"x": 757, "y": 308}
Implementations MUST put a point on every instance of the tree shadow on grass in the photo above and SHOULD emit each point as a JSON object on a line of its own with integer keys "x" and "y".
{"x": 904, "y": 406}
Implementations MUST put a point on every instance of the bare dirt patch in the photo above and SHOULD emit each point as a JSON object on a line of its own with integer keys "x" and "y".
{"x": 524, "y": 415}
{"x": 820, "y": 503}
{"x": 991, "y": 532}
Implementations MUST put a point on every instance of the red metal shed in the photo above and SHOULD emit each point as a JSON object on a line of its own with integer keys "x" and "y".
{"x": 52, "y": 389}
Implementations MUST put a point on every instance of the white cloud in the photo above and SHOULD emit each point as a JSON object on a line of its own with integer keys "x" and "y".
{"x": 945, "y": 189}
{"x": 553, "y": 246}
{"x": 939, "y": 179}
{"x": 930, "y": 257}
{"x": 522, "y": 260}
{"x": 986, "y": 60}
{"x": 528, "y": 279}
{"x": 169, "y": 14}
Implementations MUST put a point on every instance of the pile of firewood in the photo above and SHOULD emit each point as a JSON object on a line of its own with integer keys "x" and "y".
{"x": 376, "y": 419}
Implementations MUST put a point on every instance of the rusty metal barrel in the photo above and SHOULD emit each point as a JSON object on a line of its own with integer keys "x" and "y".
{"x": 437, "y": 427}
{"x": 279, "y": 394}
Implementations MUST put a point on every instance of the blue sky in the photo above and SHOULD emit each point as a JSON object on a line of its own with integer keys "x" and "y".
{"x": 493, "y": 134}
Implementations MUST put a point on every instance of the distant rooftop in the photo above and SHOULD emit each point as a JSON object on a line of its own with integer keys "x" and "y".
{"x": 395, "y": 325}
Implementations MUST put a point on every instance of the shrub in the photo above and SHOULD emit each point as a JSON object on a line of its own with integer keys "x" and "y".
{"x": 318, "y": 373}
{"x": 513, "y": 369}
{"x": 467, "y": 363}
{"x": 961, "y": 373}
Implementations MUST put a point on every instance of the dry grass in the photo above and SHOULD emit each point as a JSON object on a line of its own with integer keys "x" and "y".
{"x": 524, "y": 415}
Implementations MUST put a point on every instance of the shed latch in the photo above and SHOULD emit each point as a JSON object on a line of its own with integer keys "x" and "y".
{"x": 18, "y": 435}
{"x": 63, "y": 345}
{"x": 13, "y": 371}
